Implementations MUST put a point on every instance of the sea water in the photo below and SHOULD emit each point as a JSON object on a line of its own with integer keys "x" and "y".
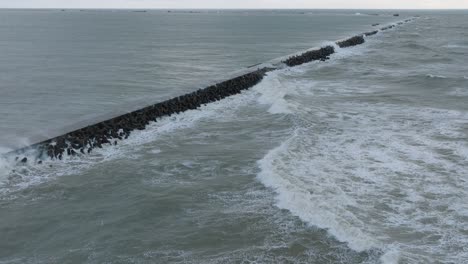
{"x": 359, "y": 159}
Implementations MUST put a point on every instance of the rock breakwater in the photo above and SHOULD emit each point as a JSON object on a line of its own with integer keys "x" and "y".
{"x": 111, "y": 131}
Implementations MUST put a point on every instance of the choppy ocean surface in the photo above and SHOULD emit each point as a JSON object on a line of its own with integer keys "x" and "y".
{"x": 359, "y": 159}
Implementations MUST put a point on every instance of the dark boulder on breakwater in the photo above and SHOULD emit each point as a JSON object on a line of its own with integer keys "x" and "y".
{"x": 387, "y": 27}
{"x": 371, "y": 33}
{"x": 356, "y": 40}
{"x": 309, "y": 56}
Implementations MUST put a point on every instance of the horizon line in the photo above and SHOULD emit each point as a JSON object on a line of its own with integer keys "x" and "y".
{"x": 222, "y": 8}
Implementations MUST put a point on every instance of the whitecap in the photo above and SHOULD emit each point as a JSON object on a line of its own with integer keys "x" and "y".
{"x": 273, "y": 92}
{"x": 360, "y": 178}
{"x": 155, "y": 151}
{"x": 279, "y": 169}
{"x": 391, "y": 256}
{"x": 455, "y": 46}
{"x": 436, "y": 76}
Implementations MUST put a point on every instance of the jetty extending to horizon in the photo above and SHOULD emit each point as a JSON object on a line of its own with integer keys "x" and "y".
{"x": 84, "y": 139}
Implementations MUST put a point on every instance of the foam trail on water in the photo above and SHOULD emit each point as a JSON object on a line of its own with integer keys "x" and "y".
{"x": 293, "y": 195}
{"x": 348, "y": 168}
{"x": 436, "y": 76}
{"x": 353, "y": 172}
{"x": 455, "y": 46}
{"x": 277, "y": 85}
{"x": 280, "y": 162}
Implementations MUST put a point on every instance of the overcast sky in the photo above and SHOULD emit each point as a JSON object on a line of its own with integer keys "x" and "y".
{"x": 354, "y": 4}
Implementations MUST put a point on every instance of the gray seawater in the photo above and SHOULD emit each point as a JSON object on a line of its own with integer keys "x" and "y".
{"x": 59, "y": 68}
{"x": 360, "y": 159}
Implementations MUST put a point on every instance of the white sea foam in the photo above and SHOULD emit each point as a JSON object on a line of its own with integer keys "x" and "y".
{"x": 391, "y": 256}
{"x": 341, "y": 53}
{"x": 4, "y": 150}
{"x": 155, "y": 151}
{"x": 436, "y": 76}
{"x": 455, "y": 46}
{"x": 296, "y": 195}
{"x": 273, "y": 93}
{"x": 278, "y": 85}
{"x": 4, "y": 165}
{"x": 364, "y": 171}
{"x": 5, "y": 168}
{"x": 363, "y": 179}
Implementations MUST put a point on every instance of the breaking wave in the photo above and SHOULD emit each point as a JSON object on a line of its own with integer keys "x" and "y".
{"x": 348, "y": 168}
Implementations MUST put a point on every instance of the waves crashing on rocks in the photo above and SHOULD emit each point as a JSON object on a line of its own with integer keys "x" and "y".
{"x": 109, "y": 132}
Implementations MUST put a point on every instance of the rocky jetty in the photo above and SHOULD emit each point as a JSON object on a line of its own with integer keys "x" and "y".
{"x": 314, "y": 55}
{"x": 110, "y": 131}
{"x": 356, "y": 40}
